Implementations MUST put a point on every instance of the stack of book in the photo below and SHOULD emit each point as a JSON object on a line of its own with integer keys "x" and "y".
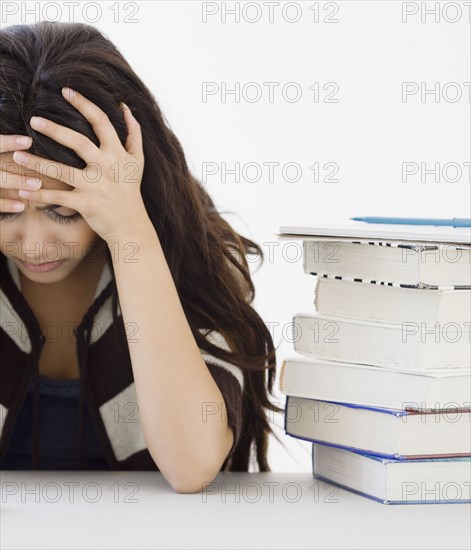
{"x": 382, "y": 382}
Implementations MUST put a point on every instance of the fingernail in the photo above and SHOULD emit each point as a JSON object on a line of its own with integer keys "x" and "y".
{"x": 24, "y": 194}
{"x": 33, "y": 183}
{"x": 19, "y": 156}
{"x": 24, "y": 140}
{"x": 37, "y": 122}
{"x": 68, "y": 93}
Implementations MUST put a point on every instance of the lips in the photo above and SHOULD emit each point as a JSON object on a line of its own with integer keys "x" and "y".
{"x": 43, "y": 267}
{"x": 41, "y": 263}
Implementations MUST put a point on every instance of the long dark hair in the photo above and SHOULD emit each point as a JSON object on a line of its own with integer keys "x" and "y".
{"x": 202, "y": 250}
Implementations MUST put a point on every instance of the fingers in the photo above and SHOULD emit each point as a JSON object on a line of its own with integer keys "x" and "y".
{"x": 8, "y": 180}
{"x": 133, "y": 143}
{"x": 69, "y": 199}
{"x": 18, "y": 181}
{"x": 76, "y": 141}
{"x": 15, "y": 181}
{"x": 99, "y": 120}
{"x": 10, "y": 205}
{"x": 14, "y": 143}
{"x": 67, "y": 174}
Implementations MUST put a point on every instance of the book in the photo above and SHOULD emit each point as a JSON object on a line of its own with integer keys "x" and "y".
{"x": 407, "y": 346}
{"x": 373, "y": 302}
{"x": 392, "y": 480}
{"x": 375, "y": 386}
{"x": 401, "y": 232}
{"x": 387, "y": 432}
{"x": 390, "y": 263}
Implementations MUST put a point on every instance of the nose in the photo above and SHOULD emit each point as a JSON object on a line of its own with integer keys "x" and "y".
{"x": 38, "y": 243}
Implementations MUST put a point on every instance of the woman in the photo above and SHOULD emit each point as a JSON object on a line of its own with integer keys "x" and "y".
{"x": 132, "y": 249}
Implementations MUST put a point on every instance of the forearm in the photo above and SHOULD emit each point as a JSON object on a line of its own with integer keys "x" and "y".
{"x": 173, "y": 383}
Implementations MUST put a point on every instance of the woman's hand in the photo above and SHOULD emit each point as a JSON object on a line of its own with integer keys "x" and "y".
{"x": 8, "y": 144}
{"x": 107, "y": 191}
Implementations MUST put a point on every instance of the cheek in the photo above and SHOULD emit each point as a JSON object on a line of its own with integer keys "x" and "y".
{"x": 6, "y": 236}
{"x": 85, "y": 240}
{"x": 86, "y": 235}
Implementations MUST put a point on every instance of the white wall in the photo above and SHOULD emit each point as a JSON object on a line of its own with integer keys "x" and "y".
{"x": 367, "y": 132}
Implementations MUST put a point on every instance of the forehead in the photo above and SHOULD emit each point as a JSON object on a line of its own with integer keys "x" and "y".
{"x": 8, "y": 165}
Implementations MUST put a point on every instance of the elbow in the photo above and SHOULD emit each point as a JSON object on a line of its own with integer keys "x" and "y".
{"x": 191, "y": 486}
{"x": 186, "y": 489}
{"x": 188, "y": 482}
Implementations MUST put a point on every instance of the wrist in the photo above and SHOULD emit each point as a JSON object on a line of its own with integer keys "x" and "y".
{"x": 131, "y": 240}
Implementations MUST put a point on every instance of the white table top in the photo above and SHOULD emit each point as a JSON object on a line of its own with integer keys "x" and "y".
{"x": 239, "y": 510}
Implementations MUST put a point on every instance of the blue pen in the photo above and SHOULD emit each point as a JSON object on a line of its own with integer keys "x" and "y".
{"x": 455, "y": 222}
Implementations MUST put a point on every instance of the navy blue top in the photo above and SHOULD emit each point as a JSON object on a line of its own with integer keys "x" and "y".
{"x": 59, "y": 402}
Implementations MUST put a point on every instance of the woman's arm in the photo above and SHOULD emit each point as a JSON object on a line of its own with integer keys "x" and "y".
{"x": 174, "y": 387}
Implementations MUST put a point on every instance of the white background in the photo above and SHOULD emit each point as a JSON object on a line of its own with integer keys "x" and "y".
{"x": 368, "y": 133}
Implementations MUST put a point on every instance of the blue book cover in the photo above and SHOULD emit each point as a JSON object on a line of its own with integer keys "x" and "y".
{"x": 393, "y": 412}
{"x": 450, "y": 492}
